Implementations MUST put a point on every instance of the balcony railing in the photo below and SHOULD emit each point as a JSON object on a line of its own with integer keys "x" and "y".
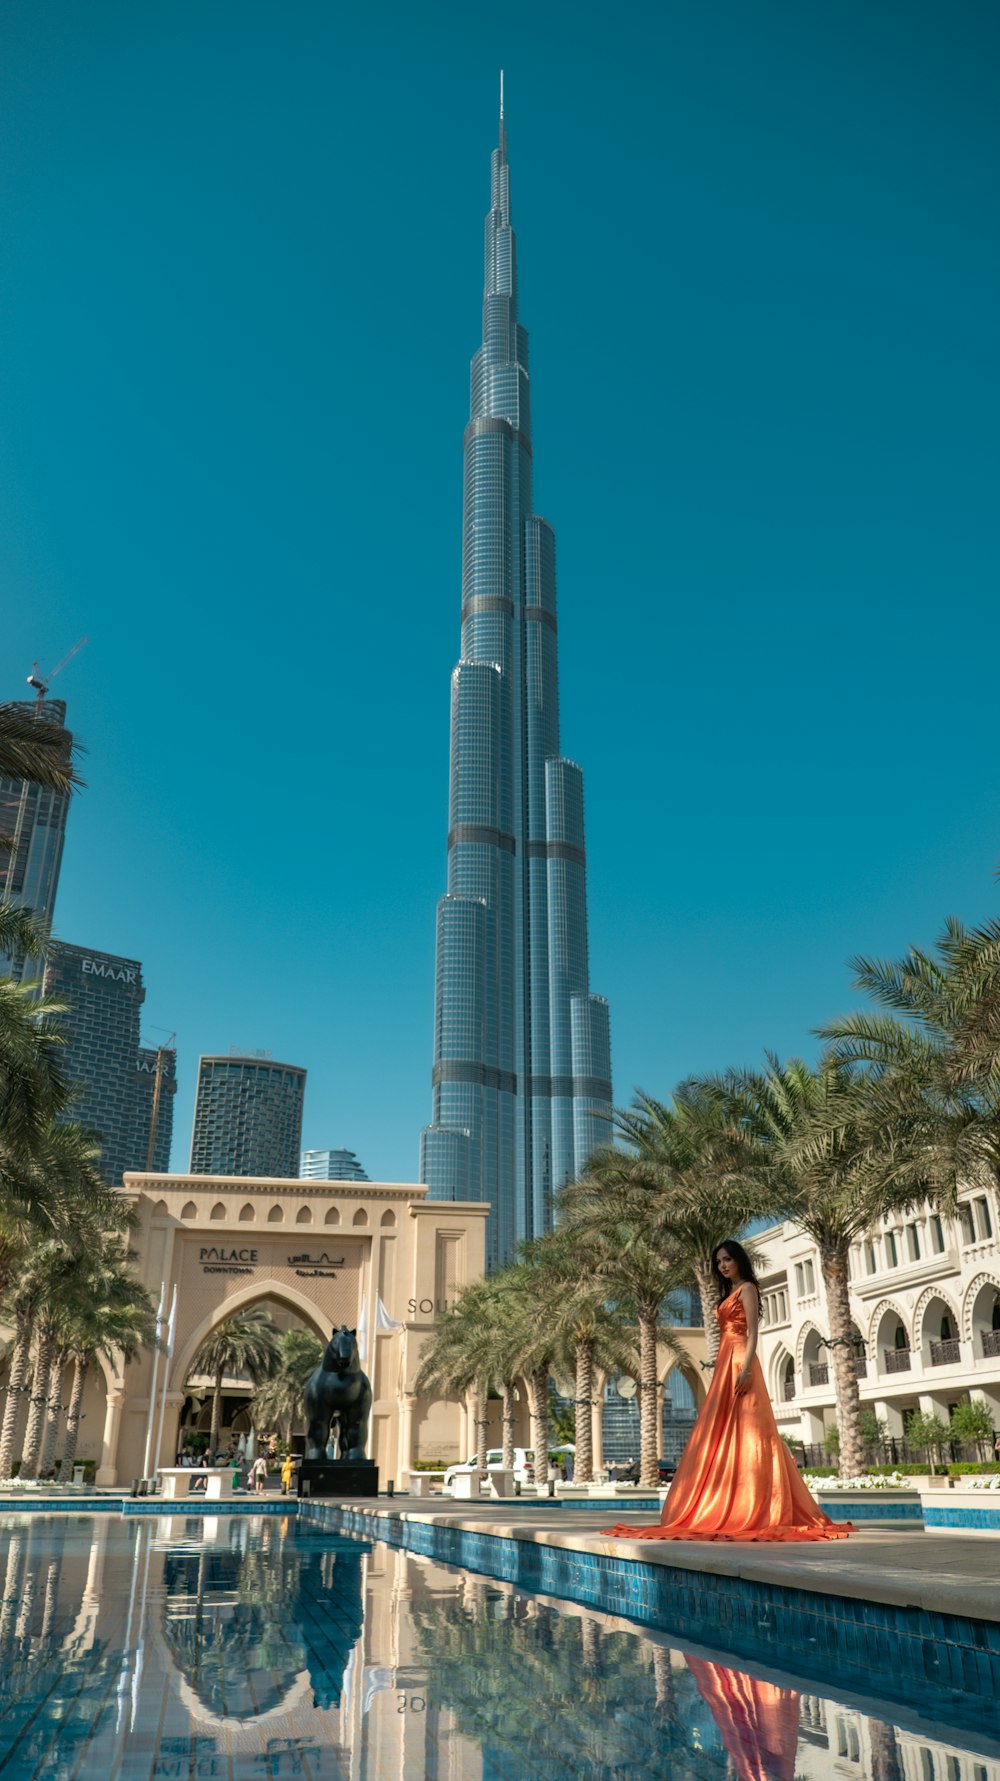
{"x": 789, "y": 1389}
{"x": 991, "y": 1343}
{"x": 861, "y": 1365}
{"x": 819, "y": 1372}
{"x": 897, "y": 1360}
{"x": 946, "y": 1352}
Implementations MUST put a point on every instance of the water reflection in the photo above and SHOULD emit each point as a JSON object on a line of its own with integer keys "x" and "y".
{"x": 250, "y": 1646}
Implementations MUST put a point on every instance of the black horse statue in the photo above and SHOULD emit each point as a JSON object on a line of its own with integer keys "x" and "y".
{"x": 338, "y": 1397}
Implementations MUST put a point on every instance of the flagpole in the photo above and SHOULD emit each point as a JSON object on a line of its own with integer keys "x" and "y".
{"x": 152, "y": 1387}
{"x": 171, "y": 1326}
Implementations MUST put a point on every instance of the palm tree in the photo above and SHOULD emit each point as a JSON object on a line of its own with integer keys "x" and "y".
{"x": 838, "y": 1148}
{"x": 115, "y": 1316}
{"x": 278, "y": 1402}
{"x": 697, "y": 1154}
{"x": 32, "y": 748}
{"x": 590, "y": 1332}
{"x": 614, "y": 1209}
{"x": 458, "y": 1359}
{"x": 247, "y": 1343}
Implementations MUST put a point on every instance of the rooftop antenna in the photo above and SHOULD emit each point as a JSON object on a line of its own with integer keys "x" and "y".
{"x": 501, "y": 95}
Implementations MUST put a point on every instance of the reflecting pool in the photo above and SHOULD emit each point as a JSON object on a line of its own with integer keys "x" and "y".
{"x": 256, "y": 1646}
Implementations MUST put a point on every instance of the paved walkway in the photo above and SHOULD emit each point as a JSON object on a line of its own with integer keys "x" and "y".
{"x": 943, "y": 1573}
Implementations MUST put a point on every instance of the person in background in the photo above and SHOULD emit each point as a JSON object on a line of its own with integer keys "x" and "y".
{"x": 287, "y": 1469}
{"x": 258, "y": 1472}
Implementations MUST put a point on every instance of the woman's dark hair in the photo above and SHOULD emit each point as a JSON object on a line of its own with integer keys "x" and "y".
{"x": 743, "y": 1262}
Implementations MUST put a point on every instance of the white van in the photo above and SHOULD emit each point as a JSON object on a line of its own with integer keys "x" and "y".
{"x": 524, "y": 1465}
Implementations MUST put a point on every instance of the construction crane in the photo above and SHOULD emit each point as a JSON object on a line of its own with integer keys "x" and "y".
{"x": 42, "y": 682}
{"x": 162, "y": 1053}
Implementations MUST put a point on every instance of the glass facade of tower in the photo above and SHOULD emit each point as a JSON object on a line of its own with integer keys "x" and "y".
{"x": 247, "y": 1117}
{"x": 34, "y": 820}
{"x": 113, "y": 1076}
{"x": 522, "y": 1058}
{"x": 330, "y": 1165}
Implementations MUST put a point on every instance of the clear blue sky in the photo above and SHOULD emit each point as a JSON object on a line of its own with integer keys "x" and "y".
{"x": 240, "y": 286}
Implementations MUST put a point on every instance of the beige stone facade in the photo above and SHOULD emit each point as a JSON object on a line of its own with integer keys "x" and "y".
{"x": 314, "y": 1253}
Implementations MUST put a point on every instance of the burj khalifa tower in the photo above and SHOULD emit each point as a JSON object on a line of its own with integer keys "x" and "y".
{"x": 522, "y": 1053}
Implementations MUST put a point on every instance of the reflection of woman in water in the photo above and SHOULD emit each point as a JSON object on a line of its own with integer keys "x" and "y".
{"x": 737, "y": 1479}
{"x": 758, "y": 1722}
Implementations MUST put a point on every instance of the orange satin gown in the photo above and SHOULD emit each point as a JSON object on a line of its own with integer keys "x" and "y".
{"x": 758, "y": 1721}
{"x": 737, "y": 1479}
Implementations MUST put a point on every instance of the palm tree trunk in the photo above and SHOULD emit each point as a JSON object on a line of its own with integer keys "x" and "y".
{"x": 649, "y": 1476}
{"x": 886, "y": 1762}
{"x": 479, "y": 1410}
{"x": 538, "y": 1398}
{"x": 53, "y": 1411}
{"x": 507, "y": 1398}
{"x": 666, "y": 1695}
{"x": 213, "y": 1439}
{"x": 39, "y": 1403}
{"x": 19, "y": 1362}
{"x": 583, "y": 1468}
{"x": 709, "y": 1296}
{"x": 833, "y": 1261}
{"x": 73, "y": 1418}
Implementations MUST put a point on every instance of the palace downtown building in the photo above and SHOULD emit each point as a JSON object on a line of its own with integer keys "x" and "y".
{"x": 522, "y": 1057}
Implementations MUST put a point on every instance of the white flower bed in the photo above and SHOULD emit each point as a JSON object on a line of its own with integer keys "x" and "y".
{"x": 864, "y": 1481}
{"x": 978, "y": 1481}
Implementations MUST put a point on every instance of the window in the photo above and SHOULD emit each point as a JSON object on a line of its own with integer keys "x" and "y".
{"x": 937, "y": 1234}
{"x": 927, "y": 1764}
{"x": 913, "y": 1242}
{"x": 968, "y": 1227}
{"x": 891, "y": 1253}
{"x": 810, "y": 1278}
{"x": 871, "y": 1259}
{"x": 799, "y": 1277}
{"x": 984, "y": 1224}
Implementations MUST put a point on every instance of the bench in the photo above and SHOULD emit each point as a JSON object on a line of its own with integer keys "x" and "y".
{"x": 421, "y": 1483}
{"x": 177, "y": 1482}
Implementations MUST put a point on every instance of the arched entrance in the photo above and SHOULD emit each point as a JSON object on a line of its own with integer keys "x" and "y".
{"x": 193, "y": 1392}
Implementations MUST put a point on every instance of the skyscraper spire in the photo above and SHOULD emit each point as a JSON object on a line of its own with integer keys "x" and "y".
{"x": 522, "y": 1065}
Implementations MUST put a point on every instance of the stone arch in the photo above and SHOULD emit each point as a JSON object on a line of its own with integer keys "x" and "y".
{"x": 304, "y": 1215}
{"x": 691, "y": 1374}
{"x": 160, "y": 1209}
{"x": 977, "y": 1306}
{"x": 781, "y": 1360}
{"x": 247, "y": 1214}
{"x": 810, "y": 1336}
{"x": 930, "y": 1296}
{"x": 276, "y": 1215}
{"x": 360, "y": 1216}
{"x": 190, "y": 1210}
{"x": 388, "y": 1218}
{"x": 218, "y": 1211}
{"x": 332, "y": 1217}
{"x": 254, "y": 1294}
{"x": 875, "y": 1321}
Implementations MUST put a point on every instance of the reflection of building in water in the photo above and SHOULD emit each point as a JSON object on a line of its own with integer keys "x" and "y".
{"x": 248, "y": 1645}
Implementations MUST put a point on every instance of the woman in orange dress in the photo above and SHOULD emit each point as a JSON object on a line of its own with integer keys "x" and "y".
{"x": 737, "y": 1479}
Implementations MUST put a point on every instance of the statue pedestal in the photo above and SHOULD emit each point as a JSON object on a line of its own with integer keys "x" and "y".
{"x": 338, "y": 1478}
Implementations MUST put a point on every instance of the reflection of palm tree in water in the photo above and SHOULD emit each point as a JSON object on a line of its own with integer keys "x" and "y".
{"x": 886, "y": 1762}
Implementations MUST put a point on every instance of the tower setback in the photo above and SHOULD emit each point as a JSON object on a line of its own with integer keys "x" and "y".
{"x": 522, "y": 1055}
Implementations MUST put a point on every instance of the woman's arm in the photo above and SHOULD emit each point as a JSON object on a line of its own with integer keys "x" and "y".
{"x": 751, "y": 1306}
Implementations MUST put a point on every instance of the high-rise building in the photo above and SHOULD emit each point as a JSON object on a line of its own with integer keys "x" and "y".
{"x": 103, "y": 1059}
{"x": 522, "y": 1054}
{"x": 330, "y": 1165}
{"x": 34, "y": 820}
{"x": 247, "y": 1117}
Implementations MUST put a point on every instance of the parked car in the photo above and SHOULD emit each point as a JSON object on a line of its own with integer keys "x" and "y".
{"x": 665, "y": 1467}
{"x": 524, "y": 1465}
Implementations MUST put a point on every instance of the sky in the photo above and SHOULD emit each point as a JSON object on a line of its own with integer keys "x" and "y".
{"x": 240, "y": 287}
